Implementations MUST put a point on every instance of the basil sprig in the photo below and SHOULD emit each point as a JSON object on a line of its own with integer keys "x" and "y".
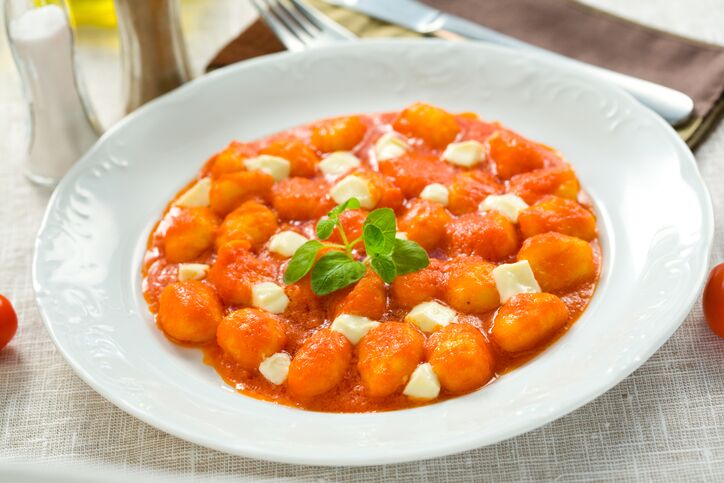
{"x": 338, "y": 267}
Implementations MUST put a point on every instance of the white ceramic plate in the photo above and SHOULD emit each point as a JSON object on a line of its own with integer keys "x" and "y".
{"x": 654, "y": 213}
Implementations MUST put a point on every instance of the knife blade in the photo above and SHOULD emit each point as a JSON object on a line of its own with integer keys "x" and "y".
{"x": 674, "y": 106}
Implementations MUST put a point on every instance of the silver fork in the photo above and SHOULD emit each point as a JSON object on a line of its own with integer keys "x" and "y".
{"x": 300, "y": 26}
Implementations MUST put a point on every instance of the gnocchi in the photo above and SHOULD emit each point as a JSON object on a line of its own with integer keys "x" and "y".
{"x": 511, "y": 244}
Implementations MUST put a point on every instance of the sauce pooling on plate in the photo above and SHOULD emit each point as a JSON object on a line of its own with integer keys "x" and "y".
{"x": 511, "y": 244}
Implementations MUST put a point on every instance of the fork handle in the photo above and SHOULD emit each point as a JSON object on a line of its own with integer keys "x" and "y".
{"x": 674, "y": 106}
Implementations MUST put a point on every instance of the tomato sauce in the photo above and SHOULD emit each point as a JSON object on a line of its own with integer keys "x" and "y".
{"x": 302, "y": 319}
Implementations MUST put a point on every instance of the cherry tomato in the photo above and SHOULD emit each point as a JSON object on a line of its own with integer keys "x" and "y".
{"x": 714, "y": 300}
{"x": 8, "y": 322}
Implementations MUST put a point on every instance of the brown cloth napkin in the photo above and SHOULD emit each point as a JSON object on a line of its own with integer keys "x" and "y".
{"x": 564, "y": 26}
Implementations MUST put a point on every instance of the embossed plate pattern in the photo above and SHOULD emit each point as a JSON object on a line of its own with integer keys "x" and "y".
{"x": 654, "y": 214}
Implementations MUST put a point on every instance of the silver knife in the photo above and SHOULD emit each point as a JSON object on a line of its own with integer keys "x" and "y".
{"x": 674, "y": 106}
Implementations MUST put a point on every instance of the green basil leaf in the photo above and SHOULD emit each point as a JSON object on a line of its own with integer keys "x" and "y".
{"x": 378, "y": 232}
{"x": 374, "y": 240}
{"x": 350, "y": 204}
{"x": 325, "y": 228}
{"x": 335, "y": 270}
{"x": 302, "y": 261}
{"x": 385, "y": 268}
{"x": 409, "y": 257}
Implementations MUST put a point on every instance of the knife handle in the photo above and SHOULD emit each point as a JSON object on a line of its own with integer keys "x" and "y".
{"x": 674, "y": 106}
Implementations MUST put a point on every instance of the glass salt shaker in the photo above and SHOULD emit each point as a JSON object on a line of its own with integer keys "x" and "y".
{"x": 153, "y": 51}
{"x": 62, "y": 128}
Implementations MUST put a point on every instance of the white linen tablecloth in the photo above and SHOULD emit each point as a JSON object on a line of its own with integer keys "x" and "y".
{"x": 666, "y": 421}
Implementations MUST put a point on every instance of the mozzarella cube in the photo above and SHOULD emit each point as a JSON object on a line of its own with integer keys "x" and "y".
{"x": 390, "y": 146}
{"x": 353, "y": 327}
{"x": 354, "y": 187}
{"x": 192, "y": 271}
{"x": 286, "y": 243}
{"x": 466, "y": 153}
{"x": 428, "y": 316}
{"x": 423, "y": 383}
{"x": 401, "y": 235}
{"x": 338, "y": 163}
{"x": 276, "y": 367}
{"x": 278, "y": 168}
{"x": 435, "y": 192}
{"x": 270, "y": 297}
{"x": 514, "y": 278}
{"x": 508, "y": 205}
{"x": 197, "y": 195}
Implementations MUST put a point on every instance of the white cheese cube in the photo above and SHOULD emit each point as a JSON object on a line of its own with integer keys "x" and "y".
{"x": 197, "y": 195}
{"x": 338, "y": 163}
{"x": 435, "y": 192}
{"x": 354, "y": 187}
{"x": 192, "y": 271}
{"x": 401, "y": 235}
{"x": 390, "y": 146}
{"x": 514, "y": 278}
{"x": 270, "y": 297}
{"x": 276, "y": 367}
{"x": 508, "y": 205}
{"x": 353, "y": 327}
{"x": 423, "y": 383}
{"x": 466, "y": 153}
{"x": 278, "y": 168}
{"x": 428, "y": 316}
{"x": 286, "y": 243}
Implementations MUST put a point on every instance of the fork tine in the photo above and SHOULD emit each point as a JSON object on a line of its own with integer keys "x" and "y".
{"x": 280, "y": 11}
{"x": 321, "y": 21}
{"x": 294, "y": 16}
{"x": 281, "y": 30}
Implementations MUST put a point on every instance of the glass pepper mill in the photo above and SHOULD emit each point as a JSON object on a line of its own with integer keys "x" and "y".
{"x": 62, "y": 128}
{"x": 153, "y": 52}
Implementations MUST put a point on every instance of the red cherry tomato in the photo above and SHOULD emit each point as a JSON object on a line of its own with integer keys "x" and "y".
{"x": 714, "y": 300}
{"x": 8, "y": 322}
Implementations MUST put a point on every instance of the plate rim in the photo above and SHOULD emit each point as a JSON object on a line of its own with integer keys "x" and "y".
{"x": 684, "y": 157}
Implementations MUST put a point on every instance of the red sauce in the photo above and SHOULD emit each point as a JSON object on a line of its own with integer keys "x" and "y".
{"x": 350, "y": 395}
